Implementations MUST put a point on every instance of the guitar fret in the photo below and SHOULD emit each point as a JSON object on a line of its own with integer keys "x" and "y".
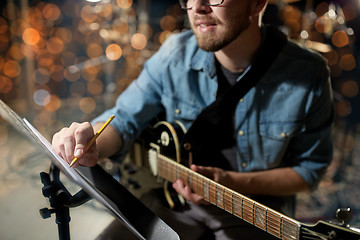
{"x": 248, "y": 210}
{"x": 206, "y": 188}
{"x": 256, "y": 214}
{"x": 272, "y": 227}
{"x": 212, "y": 188}
{"x": 260, "y": 217}
{"x": 200, "y": 186}
{"x": 189, "y": 179}
{"x": 228, "y": 201}
{"x": 237, "y": 206}
{"x": 220, "y": 198}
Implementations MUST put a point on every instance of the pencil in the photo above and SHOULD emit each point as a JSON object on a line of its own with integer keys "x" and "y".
{"x": 93, "y": 139}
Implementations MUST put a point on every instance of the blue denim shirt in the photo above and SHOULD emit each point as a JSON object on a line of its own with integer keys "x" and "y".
{"x": 284, "y": 120}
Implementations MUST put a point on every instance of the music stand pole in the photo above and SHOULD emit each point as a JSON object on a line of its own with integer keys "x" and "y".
{"x": 60, "y": 200}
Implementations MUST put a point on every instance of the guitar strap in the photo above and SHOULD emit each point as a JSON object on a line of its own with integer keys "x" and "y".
{"x": 213, "y": 129}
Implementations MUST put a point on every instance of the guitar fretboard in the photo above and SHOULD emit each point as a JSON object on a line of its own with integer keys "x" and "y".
{"x": 241, "y": 206}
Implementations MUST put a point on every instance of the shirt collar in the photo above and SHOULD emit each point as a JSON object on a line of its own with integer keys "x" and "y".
{"x": 203, "y": 61}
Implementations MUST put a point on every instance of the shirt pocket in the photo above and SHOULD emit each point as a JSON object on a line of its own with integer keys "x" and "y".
{"x": 279, "y": 131}
{"x": 181, "y": 110}
{"x": 275, "y": 138}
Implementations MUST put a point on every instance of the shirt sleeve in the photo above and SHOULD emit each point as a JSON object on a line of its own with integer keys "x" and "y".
{"x": 139, "y": 103}
{"x": 311, "y": 151}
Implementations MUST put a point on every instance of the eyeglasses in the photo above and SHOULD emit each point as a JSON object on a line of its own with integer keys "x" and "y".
{"x": 188, "y": 4}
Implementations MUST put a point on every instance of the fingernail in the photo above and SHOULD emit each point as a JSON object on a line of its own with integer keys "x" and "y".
{"x": 78, "y": 152}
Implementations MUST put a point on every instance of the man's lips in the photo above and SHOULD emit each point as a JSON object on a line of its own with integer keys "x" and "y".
{"x": 205, "y": 26}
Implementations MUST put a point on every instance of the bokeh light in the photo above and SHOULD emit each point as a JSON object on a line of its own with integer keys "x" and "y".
{"x": 347, "y": 62}
{"x": 125, "y": 4}
{"x": 31, "y": 36}
{"x": 51, "y": 12}
{"x": 113, "y": 52}
{"x": 41, "y": 97}
{"x": 5, "y": 84}
{"x": 87, "y": 105}
{"x": 12, "y": 68}
{"x": 138, "y": 41}
{"x": 340, "y": 39}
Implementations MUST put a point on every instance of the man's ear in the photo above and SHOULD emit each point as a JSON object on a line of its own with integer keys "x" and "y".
{"x": 260, "y": 7}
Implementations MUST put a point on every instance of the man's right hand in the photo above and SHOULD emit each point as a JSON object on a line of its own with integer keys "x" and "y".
{"x": 71, "y": 142}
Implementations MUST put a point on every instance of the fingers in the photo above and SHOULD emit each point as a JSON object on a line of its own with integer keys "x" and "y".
{"x": 82, "y": 135}
{"x": 187, "y": 193}
{"x": 72, "y": 141}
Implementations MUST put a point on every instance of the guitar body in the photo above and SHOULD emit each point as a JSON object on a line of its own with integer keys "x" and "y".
{"x": 165, "y": 161}
{"x": 168, "y": 144}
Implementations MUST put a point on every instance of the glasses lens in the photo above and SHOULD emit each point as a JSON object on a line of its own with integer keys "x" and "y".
{"x": 188, "y": 4}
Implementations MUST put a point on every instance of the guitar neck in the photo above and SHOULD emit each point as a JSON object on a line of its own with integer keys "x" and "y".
{"x": 241, "y": 206}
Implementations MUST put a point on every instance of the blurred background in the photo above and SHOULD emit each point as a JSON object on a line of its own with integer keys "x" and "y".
{"x": 67, "y": 60}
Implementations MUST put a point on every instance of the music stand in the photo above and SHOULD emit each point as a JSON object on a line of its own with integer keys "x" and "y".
{"x": 98, "y": 184}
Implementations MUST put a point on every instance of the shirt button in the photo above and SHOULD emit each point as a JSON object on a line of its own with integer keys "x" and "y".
{"x": 241, "y": 133}
{"x": 283, "y": 135}
{"x": 244, "y": 165}
{"x": 177, "y": 111}
{"x": 241, "y": 100}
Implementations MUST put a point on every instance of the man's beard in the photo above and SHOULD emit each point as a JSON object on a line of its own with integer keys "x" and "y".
{"x": 214, "y": 41}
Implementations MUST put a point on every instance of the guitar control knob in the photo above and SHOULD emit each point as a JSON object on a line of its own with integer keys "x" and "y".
{"x": 187, "y": 146}
{"x": 344, "y": 215}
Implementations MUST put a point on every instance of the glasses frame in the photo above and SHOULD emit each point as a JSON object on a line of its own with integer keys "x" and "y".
{"x": 183, "y": 4}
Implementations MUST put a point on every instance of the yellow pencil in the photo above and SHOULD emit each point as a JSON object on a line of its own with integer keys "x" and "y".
{"x": 94, "y": 138}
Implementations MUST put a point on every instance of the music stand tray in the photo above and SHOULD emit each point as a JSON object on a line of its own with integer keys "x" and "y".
{"x": 98, "y": 184}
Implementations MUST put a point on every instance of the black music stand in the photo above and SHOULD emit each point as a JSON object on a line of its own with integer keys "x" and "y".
{"x": 96, "y": 183}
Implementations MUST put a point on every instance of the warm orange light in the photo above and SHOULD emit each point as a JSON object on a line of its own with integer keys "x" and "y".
{"x": 31, "y": 36}
{"x": 163, "y": 36}
{"x": 54, "y": 104}
{"x": 138, "y": 41}
{"x": 95, "y": 87}
{"x": 3, "y": 25}
{"x": 107, "y": 11}
{"x": 91, "y": 67}
{"x": 55, "y": 45}
{"x": 121, "y": 26}
{"x": 51, "y": 12}
{"x": 168, "y": 23}
{"x": 12, "y": 69}
{"x": 113, "y": 52}
{"x": 64, "y": 34}
{"x": 332, "y": 57}
{"x": 57, "y": 72}
{"x": 87, "y": 105}
{"x": 6, "y": 84}
{"x": 340, "y": 39}
{"x": 124, "y": 3}
{"x": 322, "y": 8}
{"x": 30, "y": 51}
{"x": 350, "y": 88}
{"x": 94, "y": 50}
{"x": 15, "y": 52}
{"x": 349, "y": 11}
{"x": 347, "y": 62}
{"x": 88, "y": 14}
{"x": 323, "y": 25}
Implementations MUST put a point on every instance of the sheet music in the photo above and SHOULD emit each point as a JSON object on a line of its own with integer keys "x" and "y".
{"x": 161, "y": 230}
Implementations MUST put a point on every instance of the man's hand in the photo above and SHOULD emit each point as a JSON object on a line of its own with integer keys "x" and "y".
{"x": 71, "y": 142}
{"x": 213, "y": 173}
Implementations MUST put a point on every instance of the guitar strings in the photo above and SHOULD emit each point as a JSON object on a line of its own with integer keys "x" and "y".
{"x": 250, "y": 211}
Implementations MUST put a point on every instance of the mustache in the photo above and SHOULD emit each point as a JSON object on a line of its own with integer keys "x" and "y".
{"x": 206, "y": 19}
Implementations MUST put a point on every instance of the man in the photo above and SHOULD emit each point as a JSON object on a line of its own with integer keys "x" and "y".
{"x": 280, "y": 128}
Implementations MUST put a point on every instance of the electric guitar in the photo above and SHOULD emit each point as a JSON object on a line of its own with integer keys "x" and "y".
{"x": 165, "y": 161}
